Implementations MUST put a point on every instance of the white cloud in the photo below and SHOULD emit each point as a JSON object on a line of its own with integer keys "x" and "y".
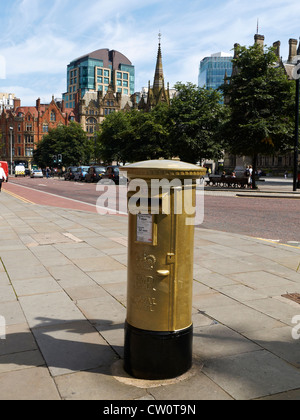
{"x": 42, "y": 37}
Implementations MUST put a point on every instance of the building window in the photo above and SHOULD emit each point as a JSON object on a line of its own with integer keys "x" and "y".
{"x": 45, "y": 128}
{"x": 28, "y": 151}
{"x": 91, "y": 124}
{"x": 53, "y": 116}
{"x": 29, "y": 139}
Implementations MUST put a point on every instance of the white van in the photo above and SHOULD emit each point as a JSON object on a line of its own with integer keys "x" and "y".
{"x": 20, "y": 170}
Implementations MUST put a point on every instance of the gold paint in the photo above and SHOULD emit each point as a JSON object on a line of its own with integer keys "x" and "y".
{"x": 160, "y": 274}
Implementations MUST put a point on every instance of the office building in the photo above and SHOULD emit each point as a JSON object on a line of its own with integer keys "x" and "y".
{"x": 213, "y": 70}
{"x": 96, "y": 72}
{"x": 6, "y": 101}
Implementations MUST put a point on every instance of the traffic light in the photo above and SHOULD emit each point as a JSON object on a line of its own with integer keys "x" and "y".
{"x": 59, "y": 158}
{"x": 54, "y": 159}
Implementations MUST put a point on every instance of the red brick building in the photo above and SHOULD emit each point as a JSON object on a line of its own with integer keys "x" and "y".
{"x": 24, "y": 126}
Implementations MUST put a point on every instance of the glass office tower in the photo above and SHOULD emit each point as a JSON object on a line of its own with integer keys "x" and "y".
{"x": 96, "y": 71}
{"x": 213, "y": 69}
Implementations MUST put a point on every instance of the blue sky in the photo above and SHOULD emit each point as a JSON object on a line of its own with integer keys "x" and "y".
{"x": 40, "y": 37}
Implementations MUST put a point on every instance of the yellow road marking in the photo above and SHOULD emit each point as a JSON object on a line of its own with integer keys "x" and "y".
{"x": 278, "y": 243}
{"x": 18, "y": 197}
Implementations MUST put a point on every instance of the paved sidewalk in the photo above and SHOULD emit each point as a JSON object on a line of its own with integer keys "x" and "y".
{"x": 63, "y": 297}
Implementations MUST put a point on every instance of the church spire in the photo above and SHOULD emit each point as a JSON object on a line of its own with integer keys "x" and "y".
{"x": 157, "y": 93}
{"x": 159, "y": 74}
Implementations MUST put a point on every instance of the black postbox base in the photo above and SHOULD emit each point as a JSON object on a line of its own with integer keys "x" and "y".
{"x": 157, "y": 355}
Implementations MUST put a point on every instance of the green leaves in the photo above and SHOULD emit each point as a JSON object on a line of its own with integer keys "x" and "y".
{"x": 133, "y": 135}
{"x": 189, "y": 128}
{"x": 196, "y": 116}
{"x": 70, "y": 141}
{"x": 261, "y": 103}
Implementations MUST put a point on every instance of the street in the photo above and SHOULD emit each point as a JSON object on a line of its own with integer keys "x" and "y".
{"x": 267, "y": 218}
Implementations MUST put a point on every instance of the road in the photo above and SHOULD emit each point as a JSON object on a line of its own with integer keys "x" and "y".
{"x": 267, "y": 218}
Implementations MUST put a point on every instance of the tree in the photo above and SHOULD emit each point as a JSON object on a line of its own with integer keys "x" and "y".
{"x": 111, "y": 143}
{"x": 69, "y": 141}
{"x": 133, "y": 136}
{"x": 261, "y": 105}
{"x": 196, "y": 115}
{"x": 150, "y": 139}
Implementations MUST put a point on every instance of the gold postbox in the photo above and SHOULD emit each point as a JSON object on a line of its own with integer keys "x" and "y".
{"x": 161, "y": 207}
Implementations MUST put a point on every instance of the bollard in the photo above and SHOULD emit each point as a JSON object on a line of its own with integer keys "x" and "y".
{"x": 158, "y": 327}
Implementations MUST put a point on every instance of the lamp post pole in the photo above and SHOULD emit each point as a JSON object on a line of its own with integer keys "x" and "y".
{"x": 296, "y": 145}
{"x": 11, "y": 156}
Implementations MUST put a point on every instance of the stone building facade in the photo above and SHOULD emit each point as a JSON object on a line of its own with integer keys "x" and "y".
{"x": 92, "y": 109}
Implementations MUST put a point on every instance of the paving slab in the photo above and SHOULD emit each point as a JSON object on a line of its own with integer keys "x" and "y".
{"x": 96, "y": 384}
{"x": 252, "y": 375}
{"x": 278, "y": 341}
{"x": 73, "y": 347}
{"x": 241, "y": 318}
{"x": 18, "y": 339}
{"x": 36, "y": 286}
{"x": 28, "y": 384}
{"x": 216, "y": 340}
{"x": 49, "y": 309}
{"x": 97, "y": 264}
{"x": 21, "y": 360}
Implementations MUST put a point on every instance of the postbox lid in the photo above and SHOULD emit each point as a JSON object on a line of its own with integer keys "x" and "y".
{"x": 162, "y": 168}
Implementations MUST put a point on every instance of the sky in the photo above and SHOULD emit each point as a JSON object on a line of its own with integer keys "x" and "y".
{"x": 39, "y": 38}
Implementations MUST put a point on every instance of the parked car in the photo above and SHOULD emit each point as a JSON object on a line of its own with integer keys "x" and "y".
{"x": 113, "y": 173}
{"x": 70, "y": 172}
{"x": 81, "y": 172}
{"x": 36, "y": 173}
{"x": 95, "y": 173}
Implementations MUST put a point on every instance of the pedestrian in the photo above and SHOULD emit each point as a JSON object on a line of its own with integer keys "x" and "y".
{"x": 250, "y": 176}
{"x": 2, "y": 176}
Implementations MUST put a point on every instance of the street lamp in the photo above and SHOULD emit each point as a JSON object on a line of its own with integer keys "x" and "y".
{"x": 296, "y": 75}
{"x": 11, "y": 156}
